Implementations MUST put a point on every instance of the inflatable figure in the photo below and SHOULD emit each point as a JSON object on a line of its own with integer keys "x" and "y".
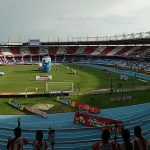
{"x": 46, "y": 64}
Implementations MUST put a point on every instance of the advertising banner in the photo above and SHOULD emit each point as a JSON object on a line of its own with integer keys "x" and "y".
{"x": 96, "y": 121}
{"x": 44, "y": 78}
{"x": 16, "y": 104}
{"x": 87, "y": 107}
{"x": 79, "y": 105}
{"x": 36, "y": 111}
{"x": 64, "y": 100}
{"x": 27, "y": 108}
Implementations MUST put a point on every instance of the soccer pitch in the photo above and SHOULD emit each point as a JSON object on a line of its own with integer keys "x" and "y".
{"x": 21, "y": 77}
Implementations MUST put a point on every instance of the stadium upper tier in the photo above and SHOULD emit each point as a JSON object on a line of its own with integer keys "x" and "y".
{"x": 104, "y": 50}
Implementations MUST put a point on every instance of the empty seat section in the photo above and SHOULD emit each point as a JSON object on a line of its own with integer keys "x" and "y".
{"x": 43, "y": 51}
{"x": 53, "y": 51}
{"x": 115, "y": 50}
{"x": 62, "y": 50}
{"x": 34, "y": 50}
{"x": 98, "y": 50}
{"x": 72, "y": 50}
{"x": 89, "y": 50}
{"x": 122, "y": 51}
{"x": 1, "y": 52}
{"x": 107, "y": 50}
{"x": 25, "y": 51}
{"x": 6, "y": 51}
{"x": 80, "y": 50}
{"x": 15, "y": 51}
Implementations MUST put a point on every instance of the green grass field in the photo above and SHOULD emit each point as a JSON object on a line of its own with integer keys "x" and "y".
{"x": 19, "y": 78}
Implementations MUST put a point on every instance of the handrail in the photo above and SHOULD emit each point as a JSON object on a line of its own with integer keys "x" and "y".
{"x": 73, "y": 129}
{"x": 80, "y": 141}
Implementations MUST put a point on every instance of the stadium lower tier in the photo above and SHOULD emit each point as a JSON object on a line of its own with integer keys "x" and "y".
{"x": 69, "y": 136}
{"x": 139, "y": 65}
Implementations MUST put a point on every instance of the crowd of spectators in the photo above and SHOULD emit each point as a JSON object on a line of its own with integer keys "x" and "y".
{"x": 129, "y": 64}
{"x": 138, "y": 143}
{"x": 17, "y": 142}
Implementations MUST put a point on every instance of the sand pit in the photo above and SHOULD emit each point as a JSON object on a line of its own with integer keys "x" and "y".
{"x": 43, "y": 106}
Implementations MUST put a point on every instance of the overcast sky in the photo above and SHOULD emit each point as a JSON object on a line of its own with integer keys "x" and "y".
{"x": 20, "y": 19}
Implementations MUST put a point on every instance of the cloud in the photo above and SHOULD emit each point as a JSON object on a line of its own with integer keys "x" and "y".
{"x": 63, "y": 18}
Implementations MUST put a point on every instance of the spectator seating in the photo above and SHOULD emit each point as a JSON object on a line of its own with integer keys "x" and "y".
{"x": 124, "y": 50}
{"x": 6, "y": 51}
{"x": 15, "y": 51}
{"x": 107, "y": 50}
{"x": 34, "y": 51}
{"x": 80, "y": 50}
{"x": 90, "y": 49}
{"x": 62, "y": 50}
{"x": 43, "y": 51}
{"x": 69, "y": 136}
{"x": 115, "y": 50}
{"x": 98, "y": 50}
{"x": 72, "y": 50}
{"x": 25, "y": 51}
{"x": 53, "y": 51}
{"x": 127, "y": 53}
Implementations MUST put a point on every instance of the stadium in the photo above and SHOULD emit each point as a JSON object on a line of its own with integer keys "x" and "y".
{"x": 74, "y": 75}
{"x": 101, "y": 74}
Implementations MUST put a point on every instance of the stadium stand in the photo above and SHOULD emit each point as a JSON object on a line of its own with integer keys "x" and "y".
{"x": 25, "y": 51}
{"x": 124, "y": 50}
{"x": 15, "y": 51}
{"x": 80, "y": 50}
{"x": 107, "y": 50}
{"x": 130, "y": 51}
{"x": 115, "y": 50}
{"x": 43, "y": 51}
{"x": 139, "y": 52}
{"x": 72, "y": 50}
{"x": 62, "y": 50}
{"x": 98, "y": 50}
{"x": 53, "y": 51}
{"x": 90, "y": 49}
{"x": 69, "y": 136}
{"x": 34, "y": 51}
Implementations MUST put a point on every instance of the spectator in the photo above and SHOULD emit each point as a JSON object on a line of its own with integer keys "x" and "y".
{"x": 16, "y": 143}
{"x": 139, "y": 143}
{"x": 39, "y": 143}
{"x": 126, "y": 144}
{"x": 104, "y": 145}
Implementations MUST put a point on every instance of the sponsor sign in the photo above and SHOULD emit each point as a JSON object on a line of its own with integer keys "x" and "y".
{"x": 34, "y": 42}
{"x": 44, "y": 78}
{"x": 36, "y": 111}
{"x": 87, "y": 107}
{"x": 79, "y": 105}
{"x": 64, "y": 100}
{"x": 95, "y": 121}
{"x": 16, "y": 104}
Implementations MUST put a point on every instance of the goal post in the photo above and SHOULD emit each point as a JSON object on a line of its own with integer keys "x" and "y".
{"x": 58, "y": 87}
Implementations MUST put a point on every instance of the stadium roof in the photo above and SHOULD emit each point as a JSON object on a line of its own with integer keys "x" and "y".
{"x": 142, "y": 38}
